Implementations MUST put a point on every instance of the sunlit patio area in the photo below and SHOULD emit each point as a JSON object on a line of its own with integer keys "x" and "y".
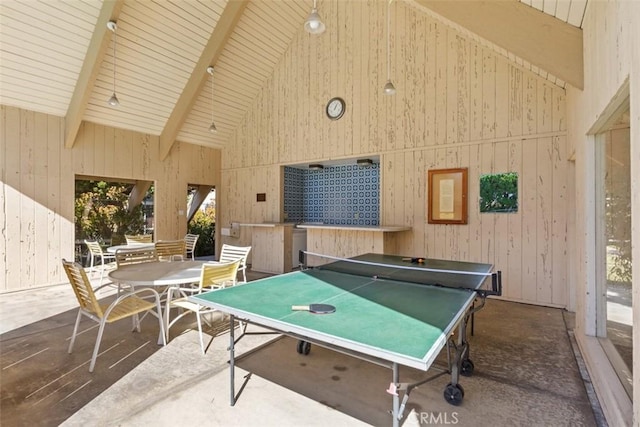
{"x": 527, "y": 368}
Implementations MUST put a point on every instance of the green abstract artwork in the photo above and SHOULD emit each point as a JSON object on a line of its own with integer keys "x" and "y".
{"x": 499, "y": 192}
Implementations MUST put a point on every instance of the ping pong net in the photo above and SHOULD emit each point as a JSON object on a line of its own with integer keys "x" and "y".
{"x": 425, "y": 271}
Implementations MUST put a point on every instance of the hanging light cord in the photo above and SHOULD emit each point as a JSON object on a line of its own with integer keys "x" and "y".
{"x": 211, "y": 96}
{"x": 389, "y": 40}
{"x": 115, "y": 37}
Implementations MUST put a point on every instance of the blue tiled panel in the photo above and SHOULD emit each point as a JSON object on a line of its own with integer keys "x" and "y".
{"x": 338, "y": 195}
{"x": 293, "y": 191}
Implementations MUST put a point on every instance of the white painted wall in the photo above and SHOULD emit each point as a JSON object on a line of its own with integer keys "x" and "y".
{"x": 458, "y": 104}
{"x": 611, "y": 60}
{"x": 38, "y": 179}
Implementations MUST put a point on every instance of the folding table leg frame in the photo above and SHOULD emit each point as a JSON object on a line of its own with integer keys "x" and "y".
{"x": 232, "y": 356}
{"x": 453, "y": 396}
{"x": 453, "y": 392}
{"x": 232, "y": 362}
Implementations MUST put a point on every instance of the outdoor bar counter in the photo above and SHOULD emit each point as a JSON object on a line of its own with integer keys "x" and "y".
{"x": 352, "y": 240}
{"x": 271, "y": 246}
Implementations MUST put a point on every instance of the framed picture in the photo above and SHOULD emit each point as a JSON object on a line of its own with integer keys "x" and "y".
{"x": 447, "y": 196}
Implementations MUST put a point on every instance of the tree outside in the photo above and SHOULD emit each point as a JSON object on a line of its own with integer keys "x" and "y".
{"x": 204, "y": 225}
{"x": 101, "y": 212}
{"x": 618, "y": 231}
{"x": 499, "y": 192}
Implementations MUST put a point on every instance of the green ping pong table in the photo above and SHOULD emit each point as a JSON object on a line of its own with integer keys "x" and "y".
{"x": 389, "y": 310}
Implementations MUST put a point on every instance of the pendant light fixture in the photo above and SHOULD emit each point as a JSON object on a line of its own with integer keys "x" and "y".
{"x": 314, "y": 24}
{"x": 113, "y": 101}
{"x": 389, "y": 88}
{"x": 212, "y": 128}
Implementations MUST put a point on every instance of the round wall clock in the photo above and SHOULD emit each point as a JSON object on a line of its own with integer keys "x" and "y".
{"x": 335, "y": 108}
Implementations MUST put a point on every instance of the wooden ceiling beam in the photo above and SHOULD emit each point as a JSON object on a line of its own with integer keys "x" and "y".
{"x": 199, "y": 197}
{"x": 221, "y": 33}
{"x": 90, "y": 69}
{"x": 138, "y": 192}
{"x": 544, "y": 41}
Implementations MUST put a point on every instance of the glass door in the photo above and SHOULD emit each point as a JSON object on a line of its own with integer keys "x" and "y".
{"x": 615, "y": 326}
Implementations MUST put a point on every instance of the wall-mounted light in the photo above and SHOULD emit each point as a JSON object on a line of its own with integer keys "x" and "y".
{"x": 314, "y": 24}
{"x": 364, "y": 162}
{"x": 316, "y": 167}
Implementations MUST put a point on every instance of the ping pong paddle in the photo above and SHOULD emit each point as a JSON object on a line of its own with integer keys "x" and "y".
{"x": 315, "y": 308}
{"x": 414, "y": 260}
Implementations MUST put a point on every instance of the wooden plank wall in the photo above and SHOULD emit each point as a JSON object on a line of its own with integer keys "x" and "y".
{"x": 458, "y": 105}
{"x": 38, "y": 187}
{"x": 611, "y": 43}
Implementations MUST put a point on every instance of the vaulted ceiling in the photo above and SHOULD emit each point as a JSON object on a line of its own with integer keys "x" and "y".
{"x": 56, "y": 56}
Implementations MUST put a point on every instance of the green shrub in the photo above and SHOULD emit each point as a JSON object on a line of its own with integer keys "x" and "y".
{"x": 101, "y": 212}
{"x": 204, "y": 225}
{"x": 499, "y": 192}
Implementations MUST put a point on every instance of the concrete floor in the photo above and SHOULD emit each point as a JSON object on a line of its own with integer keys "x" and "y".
{"x": 526, "y": 373}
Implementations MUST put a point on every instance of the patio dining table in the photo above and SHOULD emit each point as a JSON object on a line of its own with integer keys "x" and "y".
{"x": 156, "y": 274}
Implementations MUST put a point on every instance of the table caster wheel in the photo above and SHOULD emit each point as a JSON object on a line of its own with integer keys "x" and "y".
{"x": 466, "y": 368}
{"x": 454, "y": 394}
{"x": 304, "y": 347}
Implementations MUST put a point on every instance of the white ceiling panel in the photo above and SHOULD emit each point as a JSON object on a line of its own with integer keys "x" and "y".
{"x": 44, "y": 47}
{"x": 157, "y": 46}
{"x": 569, "y": 11}
{"x": 244, "y": 66}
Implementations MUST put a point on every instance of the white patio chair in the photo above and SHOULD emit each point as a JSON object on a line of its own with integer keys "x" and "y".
{"x": 135, "y": 256}
{"x": 129, "y": 304}
{"x": 232, "y": 253}
{"x": 170, "y": 250}
{"x": 190, "y": 241}
{"x": 138, "y": 238}
{"x": 96, "y": 255}
{"x": 213, "y": 276}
